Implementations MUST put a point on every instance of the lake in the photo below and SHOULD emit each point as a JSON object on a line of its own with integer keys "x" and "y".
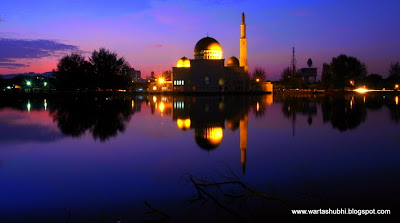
{"x": 184, "y": 158}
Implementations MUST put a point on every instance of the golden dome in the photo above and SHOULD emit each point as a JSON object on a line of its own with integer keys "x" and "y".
{"x": 208, "y": 49}
{"x": 232, "y": 62}
{"x": 208, "y": 138}
{"x": 183, "y": 62}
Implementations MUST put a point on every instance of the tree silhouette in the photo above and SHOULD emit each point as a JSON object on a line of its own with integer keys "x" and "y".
{"x": 259, "y": 73}
{"x": 326, "y": 76}
{"x": 112, "y": 71}
{"x": 394, "y": 72}
{"x": 342, "y": 69}
{"x": 309, "y": 62}
{"x": 73, "y": 72}
{"x": 291, "y": 80}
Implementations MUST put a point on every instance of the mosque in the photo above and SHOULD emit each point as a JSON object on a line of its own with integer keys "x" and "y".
{"x": 207, "y": 71}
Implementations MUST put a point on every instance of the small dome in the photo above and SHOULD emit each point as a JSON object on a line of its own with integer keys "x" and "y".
{"x": 232, "y": 62}
{"x": 183, "y": 62}
{"x": 208, "y": 138}
{"x": 208, "y": 48}
{"x": 183, "y": 123}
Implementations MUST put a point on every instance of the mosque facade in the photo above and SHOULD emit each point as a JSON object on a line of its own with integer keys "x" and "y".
{"x": 207, "y": 72}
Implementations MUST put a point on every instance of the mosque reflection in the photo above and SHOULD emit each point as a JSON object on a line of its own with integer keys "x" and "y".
{"x": 208, "y": 116}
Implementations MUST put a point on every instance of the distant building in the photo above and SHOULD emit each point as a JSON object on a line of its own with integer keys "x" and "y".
{"x": 136, "y": 75}
{"x": 309, "y": 75}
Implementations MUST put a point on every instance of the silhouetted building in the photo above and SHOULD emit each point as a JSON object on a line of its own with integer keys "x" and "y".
{"x": 309, "y": 75}
{"x": 136, "y": 75}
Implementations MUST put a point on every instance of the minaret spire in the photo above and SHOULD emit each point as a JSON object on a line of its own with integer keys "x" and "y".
{"x": 243, "y": 45}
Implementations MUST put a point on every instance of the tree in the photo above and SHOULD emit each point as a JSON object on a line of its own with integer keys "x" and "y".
{"x": 73, "y": 72}
{"x": 373, "y": 81}
{"x": 260, "y": 74}
{"x": 394, "y": 73}
{"x": 326, "y": 76}
{"x": 111, "y": 71}
{"x": 344, "y": 69}
{"x": 291, "y": 80}
{"x": 309, "y": 62}
{"x": 167, "y": 75}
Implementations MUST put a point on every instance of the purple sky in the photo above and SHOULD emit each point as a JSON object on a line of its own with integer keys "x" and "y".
{"x": 153, "y": 35}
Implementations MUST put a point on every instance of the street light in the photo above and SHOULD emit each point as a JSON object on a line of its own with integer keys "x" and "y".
{"x": 45, "y": 83}
{"x": 28, "y": 83}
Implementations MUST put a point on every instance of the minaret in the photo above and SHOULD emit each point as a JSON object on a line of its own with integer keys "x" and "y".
{"x": 243, "y": 45}
{"x": 243, "y": 142}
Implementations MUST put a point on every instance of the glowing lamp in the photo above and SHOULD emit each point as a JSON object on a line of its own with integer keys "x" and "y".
{"x": 161, "y": 80}
{"x": 28, "y": 83}
{"x": 361, "y": 90}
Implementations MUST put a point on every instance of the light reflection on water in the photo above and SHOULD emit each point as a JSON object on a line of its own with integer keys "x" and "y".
{"x": 101, "y": 157}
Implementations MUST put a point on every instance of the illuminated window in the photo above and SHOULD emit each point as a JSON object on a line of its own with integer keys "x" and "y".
{"x": 179, "y": 82}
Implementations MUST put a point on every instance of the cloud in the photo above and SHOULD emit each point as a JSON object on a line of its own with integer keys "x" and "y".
{"x": 12, "y": 65}
{"x": 14, "y": 49}
{"x": 1, "y": 19}
{"x": 155, "y": 46}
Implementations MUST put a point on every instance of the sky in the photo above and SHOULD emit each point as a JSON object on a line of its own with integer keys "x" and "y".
{"x": 153, "y": 35}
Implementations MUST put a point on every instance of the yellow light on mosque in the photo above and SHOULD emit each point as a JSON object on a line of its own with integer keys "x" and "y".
{"x": 258, "y": 80}
{"x": 183, "y": 123}
{"x": 258, "y": 106}
{"x": 183, "y": 62}
{"x": 396, "y": 99}
{"x": 396, "y": 86}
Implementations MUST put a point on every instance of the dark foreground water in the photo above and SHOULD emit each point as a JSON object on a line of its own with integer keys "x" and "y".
{"x": 161, "y": 158}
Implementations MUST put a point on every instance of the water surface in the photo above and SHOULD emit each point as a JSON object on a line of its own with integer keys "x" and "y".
{"x": 99, "y": 158}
